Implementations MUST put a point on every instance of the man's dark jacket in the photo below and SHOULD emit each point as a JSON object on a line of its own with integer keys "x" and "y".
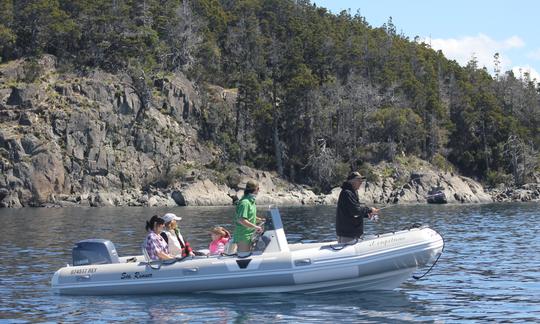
{"x": 350, "y": 213}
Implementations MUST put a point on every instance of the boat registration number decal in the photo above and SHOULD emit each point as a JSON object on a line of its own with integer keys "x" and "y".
{"x": 136, "y": 275}
{"x": 83, "y": 271}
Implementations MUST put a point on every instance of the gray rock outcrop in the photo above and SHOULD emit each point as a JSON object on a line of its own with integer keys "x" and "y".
{"x": 527, "y": 192}
{"x": 90, "y": 135}
{"x": 203, "y": 193}
{"x": 415, "y": 185}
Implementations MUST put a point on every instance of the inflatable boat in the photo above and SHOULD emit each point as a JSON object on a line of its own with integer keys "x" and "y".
{"x": 375, "y": 262}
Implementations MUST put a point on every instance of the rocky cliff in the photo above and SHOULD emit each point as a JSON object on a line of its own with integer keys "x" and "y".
{"x": 73, "y": 137}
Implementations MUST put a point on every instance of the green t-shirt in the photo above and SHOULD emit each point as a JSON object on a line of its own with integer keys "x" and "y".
{"x": 247, "y": 209}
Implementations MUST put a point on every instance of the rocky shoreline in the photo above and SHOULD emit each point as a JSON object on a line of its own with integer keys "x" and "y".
{"x": 275, "y": 191}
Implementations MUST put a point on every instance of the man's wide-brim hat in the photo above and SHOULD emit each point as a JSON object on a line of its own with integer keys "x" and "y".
{"x": 355, "y": 175}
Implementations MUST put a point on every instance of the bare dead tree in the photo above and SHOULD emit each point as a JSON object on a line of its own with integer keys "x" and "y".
{"x": 523, "y": 158}
{"x": 323, "y": 164}
{"x": 183, "y": 38}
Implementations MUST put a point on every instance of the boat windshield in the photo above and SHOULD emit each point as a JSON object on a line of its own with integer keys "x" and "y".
{"x": 268, "y": 223}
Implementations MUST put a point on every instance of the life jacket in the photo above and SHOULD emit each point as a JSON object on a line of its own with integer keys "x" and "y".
{"x": 185, "y": 248}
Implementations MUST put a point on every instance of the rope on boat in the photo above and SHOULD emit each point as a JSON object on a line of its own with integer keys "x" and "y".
{"x": 156, "y": 265}
{"x": 341, "y": 246}
{"x": 415, "y": 225}
{"x": 434, "y": 263}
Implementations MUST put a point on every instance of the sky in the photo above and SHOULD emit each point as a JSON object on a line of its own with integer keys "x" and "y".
{"x": 461, "y": 29}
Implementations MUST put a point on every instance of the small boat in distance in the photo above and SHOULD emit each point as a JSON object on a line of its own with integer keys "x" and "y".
{"x": 375, "y": 262}
{"x": 436, "y": 197}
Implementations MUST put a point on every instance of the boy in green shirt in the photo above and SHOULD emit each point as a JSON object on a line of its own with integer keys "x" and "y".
{"x": 245, "y": 219}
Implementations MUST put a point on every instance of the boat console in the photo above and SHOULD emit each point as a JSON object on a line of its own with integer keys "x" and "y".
{"x": 274, "y": 235}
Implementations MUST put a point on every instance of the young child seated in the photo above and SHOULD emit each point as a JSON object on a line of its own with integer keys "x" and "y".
{"x": 220, "y": 237}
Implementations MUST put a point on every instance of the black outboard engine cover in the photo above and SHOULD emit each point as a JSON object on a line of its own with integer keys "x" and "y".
{"x": 94, "y": 251}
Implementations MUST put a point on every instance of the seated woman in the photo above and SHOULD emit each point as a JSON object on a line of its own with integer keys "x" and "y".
{"x": 220, "y": 237}
{"x": 171, "y": 234}
{"x": 155, "y": 246}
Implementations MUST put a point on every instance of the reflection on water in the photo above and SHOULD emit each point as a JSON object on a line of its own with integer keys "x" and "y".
{"x": 487, "y": 273}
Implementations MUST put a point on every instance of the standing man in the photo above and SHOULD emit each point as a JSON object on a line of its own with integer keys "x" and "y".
{"x": 350, "y": 212}
{"x": 245, "y": 219}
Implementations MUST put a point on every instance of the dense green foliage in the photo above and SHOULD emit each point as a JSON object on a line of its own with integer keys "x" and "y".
{"x": 317, "y": 92}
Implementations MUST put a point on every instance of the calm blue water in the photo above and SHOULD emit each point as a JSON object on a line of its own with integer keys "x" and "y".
{"x": 488, "y": 272}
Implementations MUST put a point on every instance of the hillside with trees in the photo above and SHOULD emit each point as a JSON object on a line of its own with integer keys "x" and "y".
{"x": 316, "y": 94}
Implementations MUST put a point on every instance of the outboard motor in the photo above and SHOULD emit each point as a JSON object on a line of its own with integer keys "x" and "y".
{"x": 94, "y": 251}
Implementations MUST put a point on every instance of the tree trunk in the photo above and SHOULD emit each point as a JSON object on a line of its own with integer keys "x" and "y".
{"x": 486, "y": 149}
{"x": 278, "y": 148}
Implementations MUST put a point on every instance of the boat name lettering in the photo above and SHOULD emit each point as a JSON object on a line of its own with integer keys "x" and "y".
{"x": 83, "y": 271}
{"x": 136, "y": 275}
{"x": 386, "y": 242}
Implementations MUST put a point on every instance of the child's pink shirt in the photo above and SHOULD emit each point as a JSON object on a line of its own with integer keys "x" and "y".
{"x": 218, "y": 246}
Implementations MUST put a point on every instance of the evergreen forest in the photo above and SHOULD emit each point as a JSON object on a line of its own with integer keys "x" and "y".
{"x": 318, "y": 94}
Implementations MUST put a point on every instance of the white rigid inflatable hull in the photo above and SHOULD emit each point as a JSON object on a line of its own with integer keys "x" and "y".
{"x": 376, "y": 263}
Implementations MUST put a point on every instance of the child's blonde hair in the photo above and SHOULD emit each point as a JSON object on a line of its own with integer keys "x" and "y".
{"x": 222, "y": 232}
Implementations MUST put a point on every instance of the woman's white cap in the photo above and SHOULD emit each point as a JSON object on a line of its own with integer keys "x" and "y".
{"x": 169, "y": 217}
